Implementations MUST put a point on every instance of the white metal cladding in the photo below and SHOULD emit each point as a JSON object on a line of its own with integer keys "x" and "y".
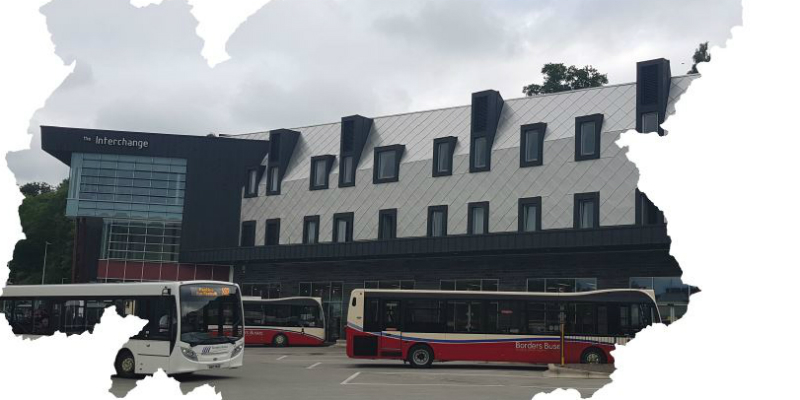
{"x": 556, "y": 181}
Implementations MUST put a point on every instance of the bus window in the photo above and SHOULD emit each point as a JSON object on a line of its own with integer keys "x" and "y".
{"x": 505, "y": 317}
{"x": 22, "y": 321}
{"x": 308, "y": 316}
{"x": 94, "y": 310}
{"x": 424, "y": 316}
{"x": 73, "y": 316}
{"x": 45, "y": 317}
{"x": 465, "y": 316}
{"x": 253, "y": 314}
{"x": 391, "y": 315}
{"x": 582, "y": 321}
{"x": 602, "y": 319}
{"x": 371, "y": 316}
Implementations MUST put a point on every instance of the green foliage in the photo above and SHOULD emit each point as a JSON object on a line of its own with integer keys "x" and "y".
{"x": 559, "y": 78}
{"x": 701, "y": 54}
{"x": 35, "y": 188}
{"x": 43, "y": 220}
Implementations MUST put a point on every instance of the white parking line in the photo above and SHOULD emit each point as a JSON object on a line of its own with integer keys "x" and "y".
{"x": 280, "y": 358}
{"x": 347, "y": 381}
{"x": 313, "y": 365}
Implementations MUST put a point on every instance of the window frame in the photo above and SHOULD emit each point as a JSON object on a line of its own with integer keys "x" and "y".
{"x": 247, "y": 192}
{"x": 247, "y": 225}
{"x": 450, "y": 140}
{"x": 598, "y": 129}
{"x": 470, "y": 218}
{"x": 521, "y": 204}
{"x": 639, "y": 208}
{"x": 272, "y": 222}
{"x": 431, "y": 210}
{"x": 392, "y": 212}
{"x": 328, "y": 159}
{"x": 540, "y": 127}
{"x": 348, "y": 218}
{"x": 271, "y": 179}
{"x": 579, "y": 198}
{"x": 306, "y": 220}
{"x": 342, "y": 160}
{"x": 472, "y": 154}
{"x": 398, "y": 149}
{"x": 658, "y": 121}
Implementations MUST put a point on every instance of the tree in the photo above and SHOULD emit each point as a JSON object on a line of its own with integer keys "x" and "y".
{"x": 701, "y": 54}
{"x": 559, "y": 78}
{"x": 43, "y": 220}
{"x": 35, "y": 188}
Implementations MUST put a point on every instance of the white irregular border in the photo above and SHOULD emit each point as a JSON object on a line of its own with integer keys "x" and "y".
{"x": 725, "y": 176}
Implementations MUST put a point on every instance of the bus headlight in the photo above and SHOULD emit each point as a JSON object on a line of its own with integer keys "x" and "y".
{"x": 237, "y": 350}
{"x": 189, "y": 353}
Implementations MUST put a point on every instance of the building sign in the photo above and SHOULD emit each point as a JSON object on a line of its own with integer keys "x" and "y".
{"x": 124, "y": 142}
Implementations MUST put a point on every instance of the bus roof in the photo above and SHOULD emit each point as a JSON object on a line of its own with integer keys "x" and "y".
{"x": 100, "y": 289}
{"x": 279, "y": 299}
{"x": 610, "y": 294}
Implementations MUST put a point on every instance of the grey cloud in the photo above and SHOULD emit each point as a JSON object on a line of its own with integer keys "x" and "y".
{"x": 299, "y": 63}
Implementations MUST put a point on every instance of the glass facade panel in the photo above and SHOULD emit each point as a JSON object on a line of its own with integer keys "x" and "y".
{"x": 588, "y": 138}
{"x": 532, "y": 145}
{"x": 140, "y": 240}
{"x": 479, "y": 152}
{"x": 443, "y": 156}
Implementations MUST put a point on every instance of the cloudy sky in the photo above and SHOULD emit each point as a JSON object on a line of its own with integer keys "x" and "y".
{"x": 299, "y": 62}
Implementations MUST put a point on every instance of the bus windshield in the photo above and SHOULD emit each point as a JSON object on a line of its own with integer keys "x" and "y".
{"x": 210, "y": 314}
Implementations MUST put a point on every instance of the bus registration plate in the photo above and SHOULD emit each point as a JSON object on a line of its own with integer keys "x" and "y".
{"x": 214, "y": 366}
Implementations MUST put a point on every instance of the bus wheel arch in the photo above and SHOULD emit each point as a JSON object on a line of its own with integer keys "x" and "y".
{"x": 280, "y": 340}
{"x": 594, "y": 355}
{"x": 125, "y": 364}
{"x": 420, "y": 356}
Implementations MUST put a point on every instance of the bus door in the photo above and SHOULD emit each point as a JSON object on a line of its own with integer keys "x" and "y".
{"x": 391, "y": 340}
{"x": 151, "y": 346}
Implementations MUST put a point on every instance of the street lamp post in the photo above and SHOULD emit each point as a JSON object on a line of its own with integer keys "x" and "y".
{"x": 44, "y": 263}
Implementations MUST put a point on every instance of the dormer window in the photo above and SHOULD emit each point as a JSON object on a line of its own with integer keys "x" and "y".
{"x": 274, "y": 178}
{"x": 320, "y": 171}
{"x": 251, "y": 190}
{"x": 480, "y": 154}
{"x": 531, "y": 144}
{"x": 443, "y": 149}
{"x": 587, "y": 137}
{"x": 387, "y": 164}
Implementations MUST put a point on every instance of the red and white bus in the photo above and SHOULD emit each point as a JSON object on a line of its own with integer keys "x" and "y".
{"x": 295, "y": 321}
{"x": 422, "y": 326}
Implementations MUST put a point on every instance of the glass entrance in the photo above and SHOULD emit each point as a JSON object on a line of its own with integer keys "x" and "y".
{"x": 331, "y": 295}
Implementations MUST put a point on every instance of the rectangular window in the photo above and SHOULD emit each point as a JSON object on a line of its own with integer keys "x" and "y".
{"x": 311, "y": 229}
{"x": 443, "y": 149}
{"x": 587, "y": 137}
{"x": 531, "y": 144}
{"x": 478, "y": 218}
{"x": 646, "y": 212}
{"x": 387, "y": 220}
{"x": 562, "y": 285}
{"x": 650, "y": 122}
{"x": 424, "y": 315}
{"x": 465, "y": 316}
{"x": 274, "y": 180}
{"x": 437, "y": 221}
{"x": 479, "y": 160}
{"x": 320, "y": 169}
{"x": 343, "y": 227}
{"x": 530, "y": 214}
{"x": 587, "y": 210}
{"x": 252, "y": 183}
{"x": 248, "y": 236}
{"x": 347, "y": 172}
{"x": 273, "y": 232}
{"x": 485, "y": 285}
{"x": 387, "y": 163}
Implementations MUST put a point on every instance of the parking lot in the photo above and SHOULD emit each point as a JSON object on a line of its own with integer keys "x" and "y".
{"x": 327, "y": 373}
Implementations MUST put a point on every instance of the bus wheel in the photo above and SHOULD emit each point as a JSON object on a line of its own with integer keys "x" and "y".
{"x": 420, "y": 356}
{"x": 280, "y": 341}
{"x": 125, "y": 364}
{"x": 593, "y": 355}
